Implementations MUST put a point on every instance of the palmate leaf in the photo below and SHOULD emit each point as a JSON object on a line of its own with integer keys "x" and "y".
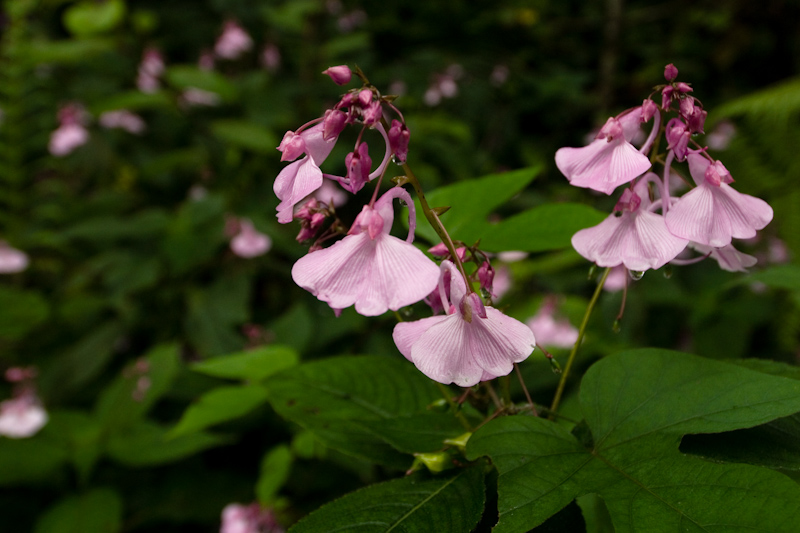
{"x": 637, "y": 406}
{"x": 444, "y": 504}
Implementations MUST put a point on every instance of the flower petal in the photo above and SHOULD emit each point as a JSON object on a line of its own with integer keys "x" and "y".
{"x": 650, "y": 244}
{"x": 602, "y": 165}
{"x": 695, "y": 217}
{"x": 296, "y": 181}
{"x": 603, "y": 243}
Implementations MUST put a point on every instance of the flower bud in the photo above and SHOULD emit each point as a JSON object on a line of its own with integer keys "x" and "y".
{"x": 666, "y": 97}
{"x": 649, "y": 108}
{"x": 398, "y": 140}
{"x": 340, "y": 75}
{"x": 292, "y": 146}
{"x": 471, "y": 306}
{"x": 677, "y": 138}
{"x": 670, "y": 72}
{"x": 333, "y": 124}
{"x": 716, "y": 174}
{"x": 372, "y": 113}
{"x": 486, "y": 276}
{"x": 358, "y": 164}
{"x": 611, "y": 130}
{"x": 364, "y": 97}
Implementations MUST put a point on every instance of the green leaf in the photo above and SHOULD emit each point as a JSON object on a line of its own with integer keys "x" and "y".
{"x": 29, "y": 460}
{"x": 637, "y": 406}
{"x": 548, "y": 227}
{"x": 213, "y": 312}
{"x": 219, "y": 405}
{"x": 132, "y": 101}
{"x": 359, "y": 404}
{"x": 471, "y": 203}
{"x": 246, "y": 135}
{"x": 20, "y": 312}
{"x": 98, "y": 511}
{"x": 253, "y": 365}
{"x": 146, "y": 444}
{"x": 274, "y": 471}
{"x": 79, "y": 434}
{"x": 188, "y": 77}
{"x": 66, "y": 51}
{"x": 446, "y": 504}
{"x": 90, "y": 18}
{"x": 777, "y": 277}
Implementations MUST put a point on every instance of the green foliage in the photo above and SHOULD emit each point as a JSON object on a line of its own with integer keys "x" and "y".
{"x": 97, "y": 510}
{"x": 219, "y": 405}
{"x": 637, "y": 406}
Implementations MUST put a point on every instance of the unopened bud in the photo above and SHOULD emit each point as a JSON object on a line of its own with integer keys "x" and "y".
{"x": 670, "y": 72}
{"x": 398, "y": 140}
{"x": 340, "y": 75}
{"x": 649, "y": 108}
{"x": 333, "y": 124}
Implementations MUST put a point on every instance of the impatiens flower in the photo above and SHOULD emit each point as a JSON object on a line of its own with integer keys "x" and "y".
{"x": 552, "y": 332}
{"x": 637, "y": 238}
{"x": 714, "y": 212}
{"x": 398, "y": 139}
{"x": 340, "y": 74}
{"x": 237, "y": 518}
{"x": 604, "y": 164}
{"x": 331, "y": 194}
{"x": 617, "y": 279}
{"x": 369, "y": 268}
{"x": 471, "y": 343}
{"x": 123, "y": 119}
{"x": 728, "y": 257}
{"x": 22, "y": 416}
{"x": 11, "y": 259}
{"x": 150, "y": 69}
{"x": 358, "y": 164}
{"x": 249, "y": 242}
{"x": 67, "y": 138}
{"x": 233, "y": 42}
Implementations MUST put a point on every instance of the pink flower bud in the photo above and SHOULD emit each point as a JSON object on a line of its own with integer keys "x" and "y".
{"x": 306, "y": 212}
{"x": 333, "y": 124}
{"x": 398, "y": 140}
{"x": 666, "y": 97}
{"x": 683, "y": 88}
{"x": 440, "y": 250}
{"x": 316, "y": 220}
{"x": 486, "y": 276}
{"x": 670, "y": 72}
{"x": 372, "y": 113}
{"x": 611, "y": 130}
{"x": 364, "y": 97}
{"x": 716, "y": 174}
{"x": 628, "y": 202}
{"x": 649, "y": 108}
{"x": 368, "y": 220}
{"x": 292, "y": 146}
{"x": 340, "y": 75}
{"x": 677, "y": 138}
{"x": 358, "y": 164}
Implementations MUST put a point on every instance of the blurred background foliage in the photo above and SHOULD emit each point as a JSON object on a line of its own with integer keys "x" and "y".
{"x": 131, "y": 274}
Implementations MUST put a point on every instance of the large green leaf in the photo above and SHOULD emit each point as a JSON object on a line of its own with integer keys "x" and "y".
{"x": 471, "y": 203}
{"x": 361, "y": 405}
{"x": 447, "y": 504}
{"x": 98, "y": 511}
{"x": 637, "y": 406}
{"x": 146, "y": 444}
{"x": 253, "y": 365}
{"x": 548, "y": 227}
{"x": 219, "y": 405}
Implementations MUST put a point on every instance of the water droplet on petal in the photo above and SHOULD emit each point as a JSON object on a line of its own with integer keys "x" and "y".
{"x": 636, "y": 275}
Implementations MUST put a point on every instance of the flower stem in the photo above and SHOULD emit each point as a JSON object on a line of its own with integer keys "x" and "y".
{"x": 562, "y": 383}
{"x": 453, "y": 406}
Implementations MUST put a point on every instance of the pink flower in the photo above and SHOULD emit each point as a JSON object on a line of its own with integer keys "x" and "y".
{"x": 271, "y": 57}
{"x": 233, "y": 42}
{"x": 471, "y": 343}
{"x": 398, "y": 139}
{"x": 150, "y": 69}
{"x": 249, "y": 242}
{"x": 604, "y": 164}
{"x": 617, "y": 279}
{"x": 67, "y": 138}
{"x": 552, "y": 332}
{"x": 638, "y": 238}
{"x": 195, "y": 96}
{"x": 237, "y": 518}
{"x": 331, "y": 194}
{"x": 728, "y": 257}
{"x": 11, "y": 259}
{"x": 122, "y": 119}
{"x": 340, "y": 74}
{"x": 370, "y": 268}
{"x": 714, "y": 212}
{"x": 22, "y": 416}
{"x": 299, "y": 179}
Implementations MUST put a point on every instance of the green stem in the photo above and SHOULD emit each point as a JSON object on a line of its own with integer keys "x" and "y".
{"x": 562, "y": 383}
{"x": 453, "y": 406}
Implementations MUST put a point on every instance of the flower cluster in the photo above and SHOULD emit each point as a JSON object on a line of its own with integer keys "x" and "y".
{"x": 22, "y": 416}
{"x": 637, "y": 235}
{"x": 374, "y": 271}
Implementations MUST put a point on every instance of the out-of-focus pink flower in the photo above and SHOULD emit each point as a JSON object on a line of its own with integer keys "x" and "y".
{"x": 22, "y": 416}
{"x": 351, "y": 21}
{"x": 11, "y": 259}
{"x": 237, "y": 518}
{"x": 606, "y": 163}
{"x": 617, "y": 279}
{"x": 340, "y": 74}
{"x": 499, "y": 75}
{"x": 193, "y": 96}
{"x": 18, "y": 374}
{"x": 369, "y": 268}
{"x": 67, "y": 138}
{"x": 123, "y": 119}
{"x": 472, "y": 343}
{"x": 249, "y": 242}
{"x": 552, "y": 332}
{"x": 206, "y": 60}
{"x": 720, "y": 137}
{"x": 512, "y": 256}
{"x": 233, "y": 41}
{"x": 150, "y": 70}
{"x": 714, "y": 212}
{"x": 502, "y": 282}
{"x": 271, "y": 58}
{"x": 638, "y": 238}
{"x": 331, "y": 194}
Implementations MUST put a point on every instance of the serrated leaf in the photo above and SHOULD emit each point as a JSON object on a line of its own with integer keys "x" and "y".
{"x": 548, "y": 227}
{"x": 274, "y": 471}
{"x": 447, "y": 504}
{"x": 98, "y": 511}
{"x": 471, "y": 203}
{"x": 638, "y": 404}
{"x": 219, "y": 405}
{"x": 253, "y": 365}
{"x": 353, "y": 403}
{"x": 147, "y": 444}
{"x": 245, "y": 134}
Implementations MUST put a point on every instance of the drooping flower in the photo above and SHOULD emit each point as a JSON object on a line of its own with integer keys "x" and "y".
{"x": 604, "y": 164}
{"x": 549, "y": 331}
{"x": 637, "y": 238}
{"x": 728, "y": 257}
{"x": 714, "y": 212}
{"x": 11, "y": 259}
{"x": 249, "y": 242}
{"x": 233, "y": 41}
{"x": 369, "y": 268}
{"x": 471, "y": 343}
{"x": 22, "y": 416}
